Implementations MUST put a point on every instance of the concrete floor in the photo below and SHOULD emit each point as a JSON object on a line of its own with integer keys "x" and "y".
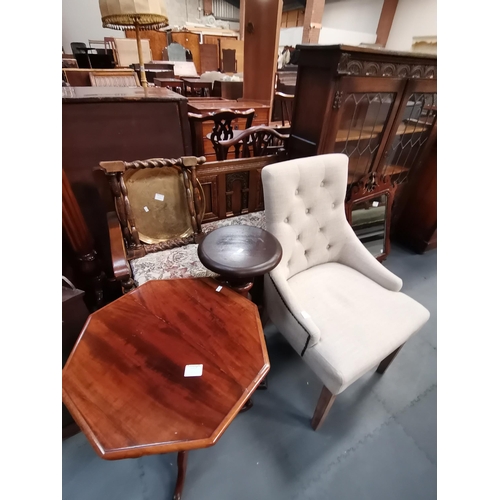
{"x": 378, "y": 442}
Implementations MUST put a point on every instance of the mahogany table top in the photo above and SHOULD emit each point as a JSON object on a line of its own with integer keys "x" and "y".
{"x": 125, "y": 382}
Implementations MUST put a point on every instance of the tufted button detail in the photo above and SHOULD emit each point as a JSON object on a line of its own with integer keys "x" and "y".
{"x": 322, "y": 183}
{"x": 307, "y": 210}
{"x": 297, "y": 237}
{"x": 328, "y": 247}
{"x": 320, "y": 229}
{"x": 286, "y": 219}
{"x": 296, "y": 191}
{"x": 333, "y": 205}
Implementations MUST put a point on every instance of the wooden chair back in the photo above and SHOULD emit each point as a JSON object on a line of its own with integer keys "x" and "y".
{"x": 77, "y": 46}
{"x": 222, "y": 130}
{"x": 233, "y": 187}
{"x": 255, "y": 141}
{"x": 176, "y": 52}
{"x": 119, "y": 178}
{"x": 115, "y": 78}
{"x": 283, "y": 106}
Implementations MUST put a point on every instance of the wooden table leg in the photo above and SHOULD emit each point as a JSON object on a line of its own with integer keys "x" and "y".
{"x": 239, "y": 286}
{"x": 181, "y": 473}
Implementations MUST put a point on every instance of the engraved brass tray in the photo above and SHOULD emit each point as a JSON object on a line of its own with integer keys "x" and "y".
{"x": 158, "y": 201}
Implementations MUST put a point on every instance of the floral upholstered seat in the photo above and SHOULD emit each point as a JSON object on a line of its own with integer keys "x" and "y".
{"x": 183, "y": 262}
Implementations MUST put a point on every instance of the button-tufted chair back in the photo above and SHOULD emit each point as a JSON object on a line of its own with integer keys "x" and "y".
{"x": 304, "y": 202}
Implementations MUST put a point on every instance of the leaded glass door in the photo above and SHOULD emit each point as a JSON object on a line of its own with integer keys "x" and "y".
{"x": 364, "y": 111}
{"x": 411, "y": 132}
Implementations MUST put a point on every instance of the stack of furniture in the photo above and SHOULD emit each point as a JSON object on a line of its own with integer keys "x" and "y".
{"x": 187, "y": 41}
{"x": 380, "y": 109}
{"x": 157, "y": 41}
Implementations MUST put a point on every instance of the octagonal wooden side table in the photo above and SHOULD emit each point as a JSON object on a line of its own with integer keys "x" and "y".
{"x": 165, "y": 368}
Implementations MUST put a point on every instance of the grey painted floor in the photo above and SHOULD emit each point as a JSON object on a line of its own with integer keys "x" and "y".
{"x": 378, "y": 443}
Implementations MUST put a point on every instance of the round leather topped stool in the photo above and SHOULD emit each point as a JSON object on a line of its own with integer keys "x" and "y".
{"x": 239, "y": 254}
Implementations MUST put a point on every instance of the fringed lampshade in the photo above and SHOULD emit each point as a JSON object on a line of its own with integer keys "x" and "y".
{"x": 134, "y": 14}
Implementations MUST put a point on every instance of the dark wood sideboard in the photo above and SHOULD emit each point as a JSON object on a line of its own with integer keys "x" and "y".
{"x": 415, "y": 222}
{"x": 106, "y": 123}
{"x": 379, "y": 107}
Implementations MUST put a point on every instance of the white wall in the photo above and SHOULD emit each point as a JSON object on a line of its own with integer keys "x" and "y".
{"x": 81, "y": 22}
{"x": 81, "y": 19}
{"x": 352, "y": 15}
{"x": 332, "y": 36}
{"x": 412, "y": 18}
{"x": 290, "y": 36}
{"x": 344, "y": 21}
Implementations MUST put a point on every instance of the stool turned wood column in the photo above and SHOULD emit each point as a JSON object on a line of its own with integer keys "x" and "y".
{"x": 239, "y": 254}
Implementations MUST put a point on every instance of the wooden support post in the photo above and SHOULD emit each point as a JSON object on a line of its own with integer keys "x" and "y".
{"x": 385, "y": 21}
{"x": 242, "y": 19}
{"x": 313, "y": 17}
{"x": 262, "y": 32}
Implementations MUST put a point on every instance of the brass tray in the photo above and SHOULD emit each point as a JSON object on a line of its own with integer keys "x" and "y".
{"x": 158, "y": 201}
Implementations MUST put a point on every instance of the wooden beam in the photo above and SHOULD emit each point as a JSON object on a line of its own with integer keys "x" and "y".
{"x": 385, "y": 21}
{"x": 207, "y": 7}
{"x": 242, "y": 19}
{"x": 312, "y": 21}
{"x": 262, "y": 32}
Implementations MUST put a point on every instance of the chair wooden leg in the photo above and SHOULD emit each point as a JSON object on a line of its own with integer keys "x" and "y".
{"x": 384, "y": 364}
{"x": 325, "y": 402}
{"x": 181, "y": 474}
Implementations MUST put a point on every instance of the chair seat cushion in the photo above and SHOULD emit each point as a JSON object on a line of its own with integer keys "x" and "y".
{"x": 360, "y": 321}
{"x": 183, "y": 262}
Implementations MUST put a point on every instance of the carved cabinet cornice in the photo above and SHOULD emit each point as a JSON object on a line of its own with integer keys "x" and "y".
{"x": 378, "y": 107}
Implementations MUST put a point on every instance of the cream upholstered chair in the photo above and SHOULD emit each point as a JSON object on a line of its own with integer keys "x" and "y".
{"x": 339, "y": 308}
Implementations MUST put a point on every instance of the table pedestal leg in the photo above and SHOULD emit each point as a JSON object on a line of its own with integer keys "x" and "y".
{"x": 242, "y": 287}
{"x": 181, "y": 473}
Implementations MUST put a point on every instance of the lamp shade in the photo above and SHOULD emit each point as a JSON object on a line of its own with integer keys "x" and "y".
{"x": 129, "y": 14}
